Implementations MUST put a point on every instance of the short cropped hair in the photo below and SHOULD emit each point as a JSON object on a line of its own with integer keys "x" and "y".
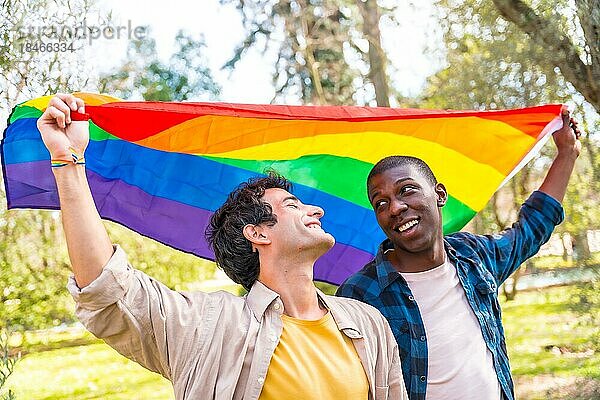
{"x": 400, "y": 161}
{"x": 233, "y": 252}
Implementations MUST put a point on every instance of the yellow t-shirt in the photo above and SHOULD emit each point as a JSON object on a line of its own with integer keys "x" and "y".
{"x": 314, "y": 360}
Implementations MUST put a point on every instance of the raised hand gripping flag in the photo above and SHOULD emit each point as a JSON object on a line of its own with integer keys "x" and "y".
{"x": 161, "y": 169}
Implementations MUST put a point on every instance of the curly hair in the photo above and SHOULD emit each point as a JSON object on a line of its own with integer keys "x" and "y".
{"x": 233, "y": 252}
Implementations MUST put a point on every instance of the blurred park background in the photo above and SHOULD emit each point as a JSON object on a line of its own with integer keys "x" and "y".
{"x": 442, "y": 54}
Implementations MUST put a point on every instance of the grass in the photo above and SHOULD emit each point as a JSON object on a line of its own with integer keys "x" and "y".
{"x": 85, "y": 372}
{"x": 547, "y": 263}
{"x": 546, "y": 344}
{"x": 544, "y": 335}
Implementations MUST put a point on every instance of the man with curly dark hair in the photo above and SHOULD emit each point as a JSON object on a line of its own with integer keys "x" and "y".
{"x": 284, "y": 340}
{"x": 234, "y": 253}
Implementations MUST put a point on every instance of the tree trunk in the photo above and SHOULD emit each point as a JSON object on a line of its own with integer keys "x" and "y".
{"x": 566, "y": 247}
{"x": 318, "y": 97}
{"x": 588, "y": 12}
{"x": 592, "y": 152}
{"x": 584, "y": 76}
{"x": 511, "y": 293}
{"x": 581, "y": 247}
{"x": 377, "y": 60}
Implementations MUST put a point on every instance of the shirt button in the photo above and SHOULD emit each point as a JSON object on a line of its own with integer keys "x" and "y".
{"x": 423, "y": 338}
{"x": 411, "y": 298}
{"x": 273, "y": 338}
{"x": 261, "y": 380}
{"x": 423, "y": 378}
{"x": 276, "y": 306}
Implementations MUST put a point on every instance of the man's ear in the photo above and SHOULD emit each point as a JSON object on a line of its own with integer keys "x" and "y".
{"x": 442, "y": 194}
{"x": 256, "y": 234}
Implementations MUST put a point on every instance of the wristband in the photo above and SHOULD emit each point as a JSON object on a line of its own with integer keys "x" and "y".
{"x": 76, "y": 158}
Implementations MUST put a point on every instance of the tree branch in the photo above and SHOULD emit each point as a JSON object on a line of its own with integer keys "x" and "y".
{"x": 584, "y": 77}
{"x": 377, "y": 60}
{"x": 588, "y": 12}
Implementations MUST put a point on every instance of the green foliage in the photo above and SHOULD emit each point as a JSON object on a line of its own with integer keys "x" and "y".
{"x": 28, "y": 74}
{"x": 568, "y": 31}
{"x": 322, "y": 53}
{"x": 547, "y": 263}
{"x": 86, "y": 372}
{"x": 583, "y": 193}
{"x": 185, "y": 77}
{"x": 585, "y": 301}
{"x": 547, "y": 343}
{"x": 326, "y": 288}
{"x": 177, "y": 270}
{"x": 34, "y": 269}
{"x": 492, "y": 64}
{"x": 38, "y": 341}
{"x": 7, "y": 366}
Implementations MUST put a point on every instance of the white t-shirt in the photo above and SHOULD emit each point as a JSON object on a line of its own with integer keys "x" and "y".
{"x": 460, "y": 366}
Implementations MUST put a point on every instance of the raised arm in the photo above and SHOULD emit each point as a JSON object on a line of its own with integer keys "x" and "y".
{"x": 87, "y": 240}
{"x": 538, "y": 216}
{"x": 139, "y": 317}
{"x": 568, "y": 146}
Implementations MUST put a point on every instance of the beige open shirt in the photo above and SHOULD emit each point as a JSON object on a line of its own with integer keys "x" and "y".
{"x": 217, "y": 345}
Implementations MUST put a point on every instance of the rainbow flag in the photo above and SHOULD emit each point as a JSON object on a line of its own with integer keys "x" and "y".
{"x": 161, "y": 169}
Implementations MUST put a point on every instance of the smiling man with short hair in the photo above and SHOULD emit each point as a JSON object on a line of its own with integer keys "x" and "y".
{"x": 440, "y": 293}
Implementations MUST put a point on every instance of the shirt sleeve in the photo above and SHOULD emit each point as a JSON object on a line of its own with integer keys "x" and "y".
{"x": 506, "y": 251}
{"x": 136, "y": 315}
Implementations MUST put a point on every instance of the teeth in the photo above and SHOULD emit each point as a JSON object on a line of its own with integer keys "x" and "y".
{"x": 407, "y": 225}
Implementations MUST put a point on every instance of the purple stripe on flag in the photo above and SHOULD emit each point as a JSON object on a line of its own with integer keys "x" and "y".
{"x": 32, "y": 185}
{"x": 340, "y": 262}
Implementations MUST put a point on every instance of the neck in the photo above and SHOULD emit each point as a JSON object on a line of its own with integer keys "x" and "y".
{"x": 292, "y": 279}
{"x": 405, "y": 261}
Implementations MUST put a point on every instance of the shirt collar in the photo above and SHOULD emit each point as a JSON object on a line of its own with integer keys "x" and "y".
{"x": 343, "y": 321}
{"x": 261, "y": 297}
{"x": 450, "y": 251}
{"x": 387, "y": 274}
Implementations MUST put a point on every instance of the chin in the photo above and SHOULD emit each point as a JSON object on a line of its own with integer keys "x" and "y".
{"x": 330, "y": 242}
{"x": 412, "y": 247}
{"x": 325, "y": 243}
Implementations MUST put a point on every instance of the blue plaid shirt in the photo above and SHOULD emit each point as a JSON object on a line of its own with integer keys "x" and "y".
{"x": 482, "y": 264}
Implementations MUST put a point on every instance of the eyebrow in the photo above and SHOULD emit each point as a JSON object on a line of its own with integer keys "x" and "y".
{"x": 373, "y": 195}
{"x": 403, "y": 179}
{"x": 293, "y": 198}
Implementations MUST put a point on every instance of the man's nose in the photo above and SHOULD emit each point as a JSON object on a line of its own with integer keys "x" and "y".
{"x": 316, "y": 211}
{"x": 397, "y": 207}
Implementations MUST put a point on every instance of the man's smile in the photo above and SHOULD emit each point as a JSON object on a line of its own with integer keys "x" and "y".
{"x": 314, "y": 225}
{"x": 405, "y": 226}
